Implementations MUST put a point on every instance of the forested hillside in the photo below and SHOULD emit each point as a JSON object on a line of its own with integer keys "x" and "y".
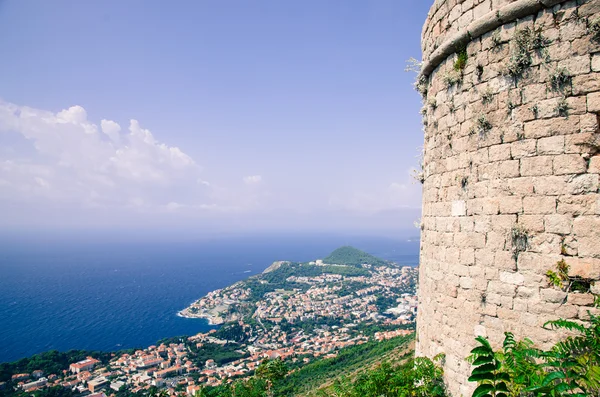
{"x": 351, "y": 256}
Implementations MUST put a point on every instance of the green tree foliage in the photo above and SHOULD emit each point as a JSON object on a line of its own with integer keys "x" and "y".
{"x": 570, "y": 368}
{"x": 351, "y": 256}
{"x": 222, "y": 354}
{"x": 419, "y": 377}
{"x": 51, "y": 362}
{"x": 272, "y": 370}
{"x": 234, "y": 332}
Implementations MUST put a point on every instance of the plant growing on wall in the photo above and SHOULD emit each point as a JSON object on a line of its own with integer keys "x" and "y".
{"x": 461, "y": 59}
{"x": 562, "y": 108}
{"x": 560, "y": 278}
{"x": 487, "y": 96}
{"x": 519, "y": 237}
{"x": 560, "y": 79}
{"x": 570, "y": 368}
{"x": 418, "y": 174}
{"x": 595, "y": 30}
{"x": 534, "y": 109}
{"x": 527, "y": 41}
{"x": 421, "y": 83}
{"x": 452, "y": 77}
{"x": 482, "y": 127}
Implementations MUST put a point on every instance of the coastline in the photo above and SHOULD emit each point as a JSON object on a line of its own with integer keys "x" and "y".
{"x": 210, "y": 319}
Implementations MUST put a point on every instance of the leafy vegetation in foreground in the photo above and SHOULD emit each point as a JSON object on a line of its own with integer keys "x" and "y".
{"x": 418, "y": 377}
{"x": 570, "y": 368}
{"x": 351, "y": 256}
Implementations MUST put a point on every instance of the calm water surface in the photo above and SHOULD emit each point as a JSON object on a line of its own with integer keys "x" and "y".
{"x": 89, "y": 295}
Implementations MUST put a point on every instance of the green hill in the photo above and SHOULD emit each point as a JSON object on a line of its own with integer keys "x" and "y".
{"x": 351, "y": 256}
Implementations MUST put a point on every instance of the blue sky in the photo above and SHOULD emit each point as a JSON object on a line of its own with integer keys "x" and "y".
{"x": 209, "y": 116}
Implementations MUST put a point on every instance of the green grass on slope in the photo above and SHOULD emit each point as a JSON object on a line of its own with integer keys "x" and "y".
{"x": 311, "y": 377}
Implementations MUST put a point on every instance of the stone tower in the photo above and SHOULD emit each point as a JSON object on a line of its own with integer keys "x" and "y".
{"x": 511, "y": 171}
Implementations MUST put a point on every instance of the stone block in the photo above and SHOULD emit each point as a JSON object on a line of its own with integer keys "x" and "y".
{"x": 569, "y": 164}
{"x": 460, "y": 270}
{"x": 495, "y": 240}
{"x": 551, "y": 145}
{"x": 550, "y": 127}
{"x": 532, "y": 223}
{"x": 534, "y": 93}
{"x": 553, "y": 295}
{"x": 508, "y": 169}
{"x": 594, "y": 166}
{"x": 585, "y": 183}
{"x": 539, "y": 205}
{"x": 491, "y": 273}
{"x": 577, "y": 65}
{"x": 459, "y": 208}
{"x": 550, "y": 185}
{"x": 545, "y": 243}
{"x": 499, "y": 152}
{"x": 576, "y": 105}
{"x": 559, "y": 224}
{"x": 491, "y": 206}
{"x": 521, "y": 186}
{"x": 467, "y": 282}
{"x": 586, "y": 83}
{"x": 511, "y": 278}
{"x": 477, "y": 272}
{"x": 584, "y": 313}
{"x": 584, "y": 267}
{"x": 580, "y": 299}
{"x": 596, "y": 63}
{"x": 588, "y": 246}
{"x": 511, "y": 205}
{"x": 503, "y": 260}
{"x": 593, "y": 102}
{"x": 535, "y": 166}
{"x": 588, "y": 123}
{"x": 592, "y": 8}
{"x": 567, "y": 311}
{"x": 578, "y": 205}
{"x": 547, "y": 108}
{"x": 536, "y": 263}
{"x": 527, "y": 292}
{"x": 524, "y": 148}
{"x": 508, "y": 314}
{"x": 501, "y": 288}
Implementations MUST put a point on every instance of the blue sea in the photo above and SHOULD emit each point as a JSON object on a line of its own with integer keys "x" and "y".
{"x": 84, "y": 294}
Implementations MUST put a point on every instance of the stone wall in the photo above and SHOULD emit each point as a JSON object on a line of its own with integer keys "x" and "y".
{"x": 511, "y": 171}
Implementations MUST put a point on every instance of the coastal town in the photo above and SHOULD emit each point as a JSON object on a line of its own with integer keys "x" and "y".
{"x": 294, "y": 312}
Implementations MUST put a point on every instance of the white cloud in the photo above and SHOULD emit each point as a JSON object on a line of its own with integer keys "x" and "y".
{"x": 111, "y": 129}
{"x": 252, "y": 179}
{"x": 75, "y": 161}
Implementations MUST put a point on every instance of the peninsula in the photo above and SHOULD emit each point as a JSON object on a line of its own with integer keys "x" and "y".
{"x": 297, "y": 312}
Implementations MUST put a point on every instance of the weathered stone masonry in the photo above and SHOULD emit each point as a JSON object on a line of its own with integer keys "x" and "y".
{"x": 511, "y": 171}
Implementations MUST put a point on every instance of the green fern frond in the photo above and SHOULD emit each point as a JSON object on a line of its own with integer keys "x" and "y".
{"x": 565, "y": 324}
